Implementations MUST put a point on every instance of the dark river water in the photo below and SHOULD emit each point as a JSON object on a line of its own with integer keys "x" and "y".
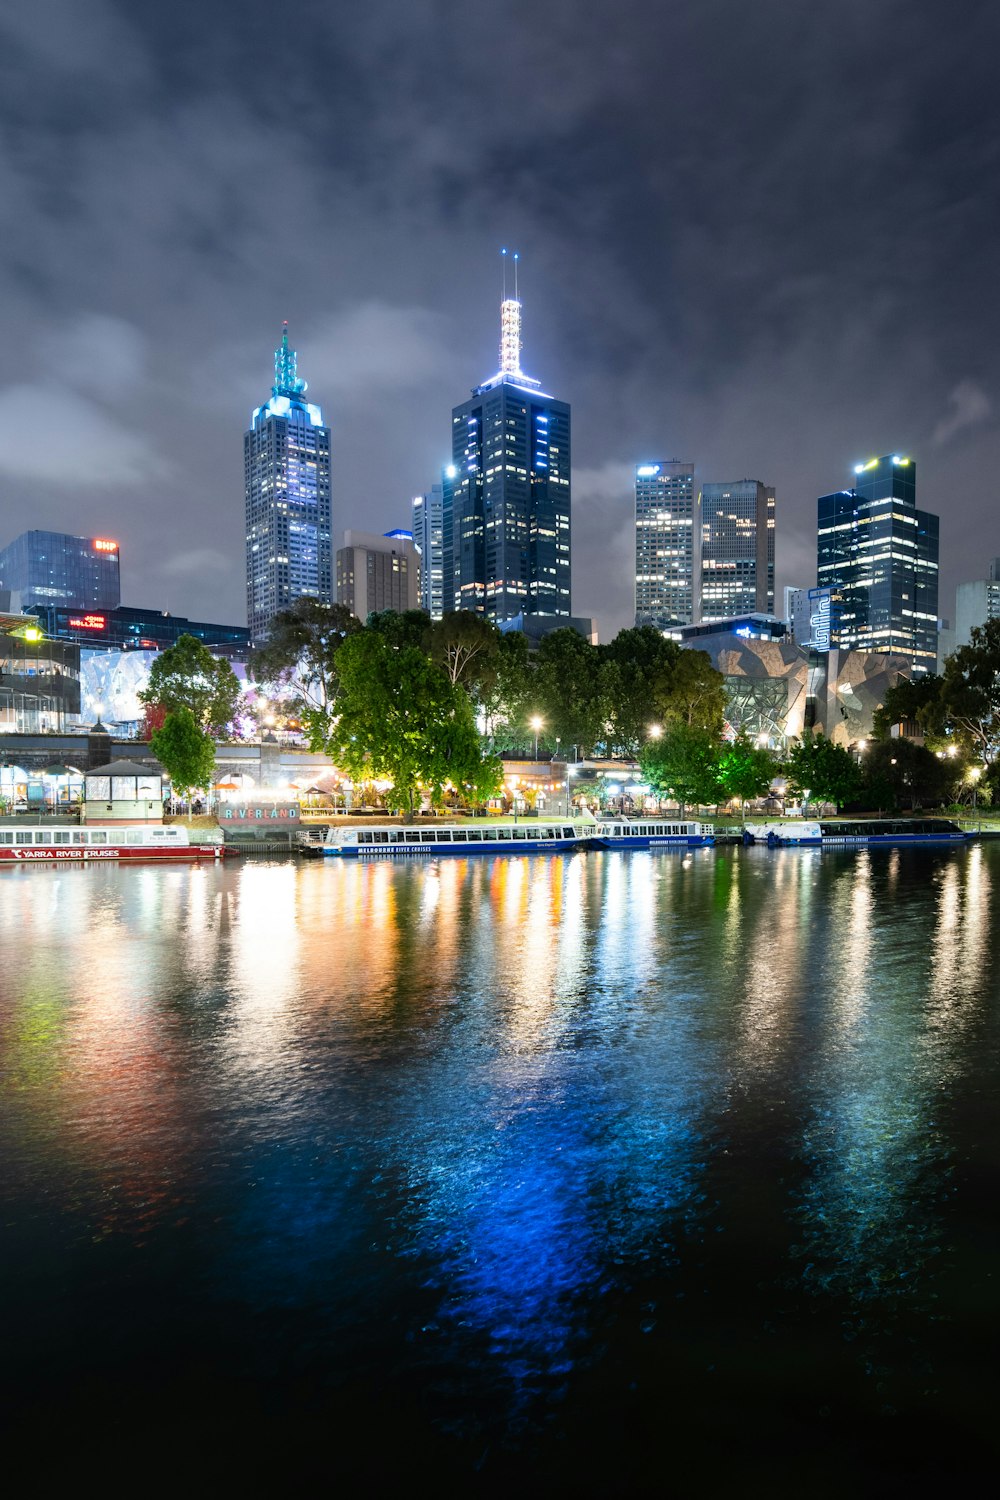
{"x": 605, "y": 1173}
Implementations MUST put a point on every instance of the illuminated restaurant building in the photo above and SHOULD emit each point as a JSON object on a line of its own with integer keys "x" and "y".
{"x": 39, "y": 679}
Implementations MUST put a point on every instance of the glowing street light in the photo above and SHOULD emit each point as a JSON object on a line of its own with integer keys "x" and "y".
{"x": 536, "y": 724}
{"x": 655, "y": 731}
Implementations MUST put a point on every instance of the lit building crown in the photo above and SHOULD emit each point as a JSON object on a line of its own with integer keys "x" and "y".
{"x": 288, "y": 389}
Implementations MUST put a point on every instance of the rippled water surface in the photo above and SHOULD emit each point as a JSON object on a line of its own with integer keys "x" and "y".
{"x": 598, "y": 1173}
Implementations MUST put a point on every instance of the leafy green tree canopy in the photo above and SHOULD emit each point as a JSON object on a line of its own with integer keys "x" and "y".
{"x": 970, "y": 691}
{"x": 746, "y": 770}
{"x": 691, "y": 691}
{"x": 408, "y": 627}
{"x": 920, "y": 700}
{"x": 683, "y": 763}
{"x": 299, "y": 661}
{"x": 400, "y": 718}
{"x": 187, "y": 675}
{"x": 186, "y": 752}
{"x": 900, "y": 773}
{"x": 467, "y": 647}
{"x": 819, "y": 769}
{"x": 570, "y": 691}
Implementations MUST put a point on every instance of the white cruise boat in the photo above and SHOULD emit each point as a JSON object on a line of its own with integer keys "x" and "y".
{"x": 385, "y": 841}
{"x": 36, "y": 843}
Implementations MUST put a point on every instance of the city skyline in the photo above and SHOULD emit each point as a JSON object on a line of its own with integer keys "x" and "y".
{"x": 727, "y": 285}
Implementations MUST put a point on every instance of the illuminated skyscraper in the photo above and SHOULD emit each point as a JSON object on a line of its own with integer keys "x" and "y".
{"x": 879, "y": 555}
{"x": 428, "y": 538}
{"x": 737, "y": 549}
{"x": 287, "y": 476}
{"x": 666, "y": 544}
{"x": 510, "y": 502}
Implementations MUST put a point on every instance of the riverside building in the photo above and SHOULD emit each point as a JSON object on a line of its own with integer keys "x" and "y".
{"x": 286, "y": 461}
{"x": 878, "y": 555}
{"x": 667, "y": 535}
{"x": 509, "y": 499}
{"x": 737, "y": 549}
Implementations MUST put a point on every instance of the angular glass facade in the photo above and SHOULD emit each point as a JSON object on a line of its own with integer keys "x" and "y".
{"x": 510, "y": 495}
{"x": 879, "y": 555}
{"x": 286, "y": 455}
{"x": 50, "y": 567}
{"x": 666, "y": 544}
{"x": 737, "y": 570}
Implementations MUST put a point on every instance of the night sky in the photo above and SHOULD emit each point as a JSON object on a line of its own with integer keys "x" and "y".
{"x": 760, "y": 237}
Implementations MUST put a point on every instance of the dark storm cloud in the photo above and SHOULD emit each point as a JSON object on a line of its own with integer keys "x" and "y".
{"x": 759, "y": 238}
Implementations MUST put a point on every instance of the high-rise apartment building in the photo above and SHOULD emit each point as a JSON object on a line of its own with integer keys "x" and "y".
{"x": 510, "y": 504}
{"x": 879, "y": 555}
{"x": 49, "y": 567}
{"x": 286, "y": 460}
{"x": 976, "y": 603}
{"x": 428, "y": 539}
{"x": 737, "y": 549}
{"x": 378, "y": 572}
{"x": 667, "y": 534}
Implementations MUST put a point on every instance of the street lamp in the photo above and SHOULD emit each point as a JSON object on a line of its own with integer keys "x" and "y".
{"x": 536, "y": 724}
{"x": 655, "y": 731}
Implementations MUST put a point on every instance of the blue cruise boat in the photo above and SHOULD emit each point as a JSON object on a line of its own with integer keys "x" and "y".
{"x": 850, "y": 832}
{"x": 384, "y": 841}
{"x": 645, "y": 833}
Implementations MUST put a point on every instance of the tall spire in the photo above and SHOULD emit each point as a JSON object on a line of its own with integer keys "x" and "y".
{"x": 510, "y": 326}
{"x": 286, "y": 375}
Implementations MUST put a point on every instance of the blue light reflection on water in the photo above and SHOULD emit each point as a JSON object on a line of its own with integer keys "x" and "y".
{"x": 494, "y": 1096}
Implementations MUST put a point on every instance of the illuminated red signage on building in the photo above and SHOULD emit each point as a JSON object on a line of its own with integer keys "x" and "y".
{"x": 100, "y": 545}
{"x": 88, "y": 622}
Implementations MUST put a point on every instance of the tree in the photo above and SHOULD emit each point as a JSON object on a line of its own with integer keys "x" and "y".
{"x": 919, "y": 700}
{"x": 570, "y": 690}
{"x": 970, "y": 692}
{"x": 901, "y": 772}
{"x": 505, "y": 696}
{"x": 466, "y": 646}
{"x": 408, "y": 627}
{"x": 635, "y": 662}
{"x": 746, "y": 770}
{"x": 818, "y": 768}
{"x": 299, "y": 661}
{"x": 683, "y": 763}
{"x": 187, "y": 675}
{"x": 691, "y": 691}
{"x": 400, "y": 718}
{"x": 186, "y": 752}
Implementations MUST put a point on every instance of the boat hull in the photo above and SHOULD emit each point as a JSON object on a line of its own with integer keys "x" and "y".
{"x": 191, "y": 854}
{"x": 651, "y": 841}
{"x": 448, "y": 851}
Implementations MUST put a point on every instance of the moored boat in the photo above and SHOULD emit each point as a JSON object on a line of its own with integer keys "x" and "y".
{"x": 383, "y": 841}
{"x": 32, "y": 843}
{"x": 847, "y": 833}
{"x": 652, "y": 833}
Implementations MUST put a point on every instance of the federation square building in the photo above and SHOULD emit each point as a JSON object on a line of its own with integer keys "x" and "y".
{"x": 286, "y": 454}
{"x": 507, "y": 505}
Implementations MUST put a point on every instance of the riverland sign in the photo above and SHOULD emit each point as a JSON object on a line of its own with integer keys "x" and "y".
{"x": 258, "y": 814}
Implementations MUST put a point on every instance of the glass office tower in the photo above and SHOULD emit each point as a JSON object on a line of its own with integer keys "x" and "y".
{"x": 286, "y": 457}
{"x": 737, "y": 548}
{"x": 49, "y": 567}
{"x": 879, "y": 555}
{"x": 509, "y": 500}
{"x": 666, "y": 544}
{"x": 428, "y": 539}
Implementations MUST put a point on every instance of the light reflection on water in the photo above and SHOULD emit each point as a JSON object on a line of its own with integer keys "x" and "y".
{"x": 499, "y": 1095}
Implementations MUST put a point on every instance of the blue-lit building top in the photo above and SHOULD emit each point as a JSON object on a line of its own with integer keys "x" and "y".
{"x": 509, "y": 501}
{"x": 879, "y": 555}
{"x": 288, "y": 513}
{"x": 51, "y": 567}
